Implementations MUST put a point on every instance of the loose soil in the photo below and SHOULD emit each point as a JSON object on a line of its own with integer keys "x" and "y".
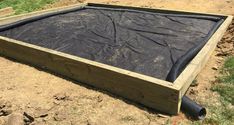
{"x": 40, "y": 97}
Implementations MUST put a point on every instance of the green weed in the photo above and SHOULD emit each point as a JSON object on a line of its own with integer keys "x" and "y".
{"x": 224, "y": 114}
{"x": 24, "y": 6}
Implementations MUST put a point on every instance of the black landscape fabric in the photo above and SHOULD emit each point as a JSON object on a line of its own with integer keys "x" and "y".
{"x": 146, "y": 43}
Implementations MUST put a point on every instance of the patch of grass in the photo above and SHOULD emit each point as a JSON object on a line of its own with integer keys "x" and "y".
{"x": 228, "y": 71}
{"x": 226, "y": 82}
{"x": 194, "y": 83}
{"x": 226, "y": 91}
{"x": 24, "y": 6}
{"x": 224, "y": 114}
{"x": 220, "y": 115}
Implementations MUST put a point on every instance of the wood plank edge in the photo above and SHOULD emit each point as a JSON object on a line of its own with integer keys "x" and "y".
{"x": 94, "y": 63}
{"x": 168, "y": 96}
{"x": 184, "y": 80}
{"x": 14, "y": 18}
{"x": 176, "y": 11}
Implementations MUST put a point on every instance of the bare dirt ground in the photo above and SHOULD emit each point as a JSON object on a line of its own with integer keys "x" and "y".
{"x": 42, "y": 98}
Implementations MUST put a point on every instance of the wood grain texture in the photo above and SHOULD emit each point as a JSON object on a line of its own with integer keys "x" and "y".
{"x": 154, "y": 93}
{"x": 151, "y": 92}
{"x": 185, "y": 79}
{"x": 11, "y": 19}
{"x": 161, "y": 10}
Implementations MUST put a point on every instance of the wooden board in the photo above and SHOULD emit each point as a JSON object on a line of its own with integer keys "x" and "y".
{"x": 194, "y": 67}
{"x": 151, "y": 92}
{"x": 7, "y": 20}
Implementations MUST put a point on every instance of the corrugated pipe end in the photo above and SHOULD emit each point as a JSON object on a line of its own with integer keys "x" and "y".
{"x": 193, "y": 109}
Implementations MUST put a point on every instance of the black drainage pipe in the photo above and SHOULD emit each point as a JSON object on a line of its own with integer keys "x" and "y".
{"x": 193, "y": 109}
{"x": 188, "y": 106}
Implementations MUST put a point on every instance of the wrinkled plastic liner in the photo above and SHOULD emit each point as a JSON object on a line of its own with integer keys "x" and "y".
{"x": 146, "y": 43}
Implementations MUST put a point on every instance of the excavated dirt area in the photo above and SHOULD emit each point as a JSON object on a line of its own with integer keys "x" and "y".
{"x": 39, "y": 97}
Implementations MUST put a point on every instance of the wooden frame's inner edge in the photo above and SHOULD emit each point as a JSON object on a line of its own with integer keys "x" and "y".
{"x": 162, "y": 10}
{"x": 11, "y": 19}
{"x": 181, "y": 84}
{"x": 177, "y": 85}
{"x": 184, "y": 80}
{"x": 94, "y": 63}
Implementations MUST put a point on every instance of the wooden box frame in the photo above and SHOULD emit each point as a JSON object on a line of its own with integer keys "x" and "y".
{"x": 151, "y": 92}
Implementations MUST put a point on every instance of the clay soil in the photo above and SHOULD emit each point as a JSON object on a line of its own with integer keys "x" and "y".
{"x": 39, "y": 97}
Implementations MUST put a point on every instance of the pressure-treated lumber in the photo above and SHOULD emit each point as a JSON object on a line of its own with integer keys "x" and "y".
{"x": 133, "y": 86}
{"x": 185, "y": 79}
{"x": 161, "y": 10}
{"x": 194, "y": 67}
{"x": 151, "y": 92}
{"x": 7, "y": 20}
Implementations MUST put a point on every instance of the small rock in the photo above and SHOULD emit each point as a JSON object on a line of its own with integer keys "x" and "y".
{"x": 15, "y": 119}
{"x": 221, "y": 54}
{"x": 43, "y": 115}
{"x": 5, "y": 112}
{"x": 5, "y": 108}
{"x": 28, "y": 118}
{"x": 163, "y": 116}
{"x": 215, "y": 67}
{"x": 4, "y": 104}
{"x": 193, "y": 92}
{"x": 40, "y": 113}
{"x": 61, "y": 96}
{"x": 99, "y": 98}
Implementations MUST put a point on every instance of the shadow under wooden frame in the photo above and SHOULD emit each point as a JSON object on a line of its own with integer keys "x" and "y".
{"x": 155, "y": 93}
